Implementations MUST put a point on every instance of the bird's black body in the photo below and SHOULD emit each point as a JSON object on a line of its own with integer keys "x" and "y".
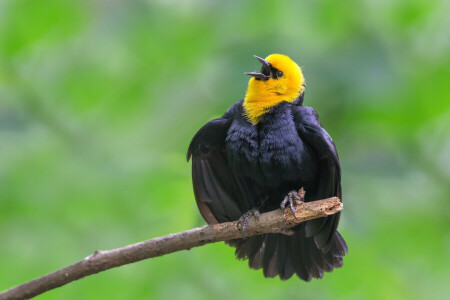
{"x": 236, "y": 165}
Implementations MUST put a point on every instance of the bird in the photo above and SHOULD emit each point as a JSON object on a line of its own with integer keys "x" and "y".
{"x": 255, "y": 158}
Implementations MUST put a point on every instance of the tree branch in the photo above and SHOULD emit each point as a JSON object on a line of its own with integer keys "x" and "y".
{"x": 271, "y": 222}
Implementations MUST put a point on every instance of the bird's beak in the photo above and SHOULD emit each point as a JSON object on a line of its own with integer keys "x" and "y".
{"x": 256, "y": 75}
{"x": 266, "y": 68}
{"x": 265, "y": 63}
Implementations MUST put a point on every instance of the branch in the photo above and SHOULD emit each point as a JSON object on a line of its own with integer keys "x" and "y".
{"x": 271, "y": 222}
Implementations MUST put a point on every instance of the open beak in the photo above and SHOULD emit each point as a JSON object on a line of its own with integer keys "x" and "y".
{"x": 257, "y": 75}
{"x": 266, "y": 69}
{"x": 265, "y": 63}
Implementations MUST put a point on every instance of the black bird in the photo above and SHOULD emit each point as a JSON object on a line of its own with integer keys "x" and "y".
{"x": 263, "y": 148}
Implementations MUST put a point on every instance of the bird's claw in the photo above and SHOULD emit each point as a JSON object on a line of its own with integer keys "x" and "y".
{"x": 294, "y": 198}
{"x": 243, "y": 220}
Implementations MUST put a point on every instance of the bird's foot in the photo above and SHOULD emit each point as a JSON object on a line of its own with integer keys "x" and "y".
{"x": 293, "y": 198}
{"x": 243, "y": 220}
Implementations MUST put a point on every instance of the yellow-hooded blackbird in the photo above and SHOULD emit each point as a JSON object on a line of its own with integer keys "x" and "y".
{"x": 263, "y": 148}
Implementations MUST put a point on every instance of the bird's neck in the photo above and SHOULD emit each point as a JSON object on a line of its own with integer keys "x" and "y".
{"x": 257, "y": 102}
{"x": 256, "y": 107}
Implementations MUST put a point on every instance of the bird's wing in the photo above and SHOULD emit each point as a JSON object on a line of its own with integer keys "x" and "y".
{"x": 219, "y": 193}
{"x": 329, "y": 183}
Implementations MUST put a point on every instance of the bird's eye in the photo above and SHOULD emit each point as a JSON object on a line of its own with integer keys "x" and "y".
{"x": 279, "y": 74}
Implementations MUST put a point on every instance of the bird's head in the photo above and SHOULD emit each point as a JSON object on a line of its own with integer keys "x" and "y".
{"x": 280, "y": 79}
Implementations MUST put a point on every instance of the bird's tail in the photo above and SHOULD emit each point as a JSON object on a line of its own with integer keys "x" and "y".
{"x": 283, "y": 255}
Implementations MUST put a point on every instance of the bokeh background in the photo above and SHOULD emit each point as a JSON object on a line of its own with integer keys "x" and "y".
{"x": 99, "y": 100}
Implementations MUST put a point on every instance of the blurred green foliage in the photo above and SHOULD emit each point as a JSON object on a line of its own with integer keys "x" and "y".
{"x": 99, "y": 100}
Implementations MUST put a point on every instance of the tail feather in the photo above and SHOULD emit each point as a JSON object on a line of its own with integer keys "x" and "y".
{"x": 339, "y": 248}
{"x": 298, "y": 255}
{"x": 283, "y": 255}
{"x": 270, "y": 258}
{"x": 289, "y": 268}
{"x": 247, "y": 248}
{"x": 308, "y": 260}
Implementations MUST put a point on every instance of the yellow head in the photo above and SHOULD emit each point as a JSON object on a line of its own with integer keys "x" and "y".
{"x": 280, "y": 79}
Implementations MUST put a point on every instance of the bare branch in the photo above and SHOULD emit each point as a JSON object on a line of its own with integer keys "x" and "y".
{"x": 271, "y": 222}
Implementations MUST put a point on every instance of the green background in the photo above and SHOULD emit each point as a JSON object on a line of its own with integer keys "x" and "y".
{"x": 99, "y": 100}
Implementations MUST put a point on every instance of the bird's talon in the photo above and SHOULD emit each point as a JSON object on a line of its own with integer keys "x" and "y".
{"x": 257, "y": 215}
{"x": 283, "y": 205}
{"x": 294, "y": 198}
{"x": 243, "y": 220}
{"x": 291, "y": 202}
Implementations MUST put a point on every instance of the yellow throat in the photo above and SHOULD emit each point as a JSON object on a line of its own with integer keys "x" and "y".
{"x": 280, "y": 79}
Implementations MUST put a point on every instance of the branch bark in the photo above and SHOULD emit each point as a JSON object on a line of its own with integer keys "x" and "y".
{"x": 271, "y": 222}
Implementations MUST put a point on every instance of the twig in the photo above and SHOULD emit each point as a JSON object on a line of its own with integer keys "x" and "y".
{"x": 271, "y": 222}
